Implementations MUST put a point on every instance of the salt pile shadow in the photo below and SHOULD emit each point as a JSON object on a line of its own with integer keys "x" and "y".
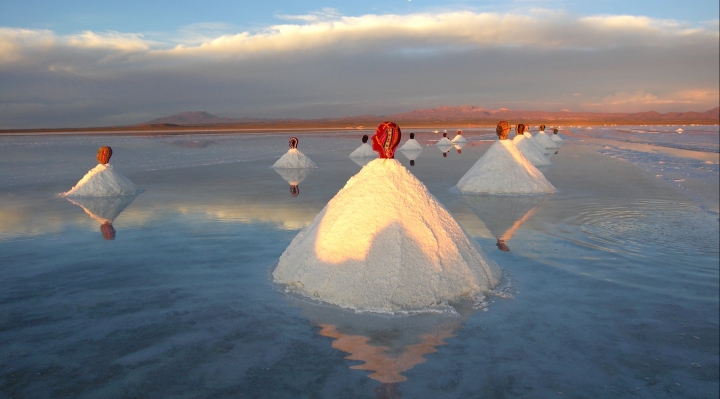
{"x": 504, "y": 215}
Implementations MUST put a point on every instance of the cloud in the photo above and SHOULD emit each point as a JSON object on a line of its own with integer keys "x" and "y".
{"x": 324, "y": 64}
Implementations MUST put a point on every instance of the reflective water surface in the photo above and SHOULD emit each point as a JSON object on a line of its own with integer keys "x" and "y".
{"x": 613, "y": 280}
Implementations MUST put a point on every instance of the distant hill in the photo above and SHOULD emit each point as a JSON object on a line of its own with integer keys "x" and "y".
{"x": 447, "y": 114}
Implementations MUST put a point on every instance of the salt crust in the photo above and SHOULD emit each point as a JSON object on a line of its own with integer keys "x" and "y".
{"x": 545, "y": 140}
{"x": 444, "y": 142}
{"x": 530, "y": 151}
{"x": 504, "y": 170}
{"x": 556, "y": 138}
{"x": 294, "y": 159}
{"x": 364, "y": 151}
{"x": 102, "y": 181}
{"x": 385, "y": 244}
{"x": 411, "y": 144}
{"x": 459, "y": 139}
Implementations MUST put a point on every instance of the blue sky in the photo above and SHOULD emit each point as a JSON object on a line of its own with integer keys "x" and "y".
{"x": 83, "y": 63}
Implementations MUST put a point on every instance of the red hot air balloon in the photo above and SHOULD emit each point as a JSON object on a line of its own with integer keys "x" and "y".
{"x": 104, "y": 154}
{"x": 386, "y": 139}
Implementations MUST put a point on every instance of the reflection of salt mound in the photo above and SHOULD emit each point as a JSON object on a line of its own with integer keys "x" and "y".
{"x": 102, "y": 181}
{"x": 546, "y": 141}
{"x": 364, "y": 151}
{"x": 556, "y": 138}
{"x": 459, "y": 146}
{"x": 530, "y": 151}
{"x": 411, "y": 144}
{"x": 444, "y": 142}
{"x": 459, "y": 139}
{"x": 103, "y": 209}
{"x": 504, "y": 170}
{"x": 411, "y": 154}
{"x": 408, "y": 254}
{"x": 503, "y": 215}
{"x": 294, "y": 159}
{"x": 293, "y": 176}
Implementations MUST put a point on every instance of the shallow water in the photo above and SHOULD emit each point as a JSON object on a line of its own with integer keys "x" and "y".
{"x": 614, "y": 278}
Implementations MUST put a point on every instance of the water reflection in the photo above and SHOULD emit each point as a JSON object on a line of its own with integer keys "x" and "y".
{"x": 503, "y": 215}
{"x": 459, "y": 146}
{"x": 362, "y": 161}
{"x": 294, "y": 176}
{"x": 412, "y": 155}
{"x": 104, "y": 210}
{"x": 386, "y": 345}
{"x": 445, "y": 149}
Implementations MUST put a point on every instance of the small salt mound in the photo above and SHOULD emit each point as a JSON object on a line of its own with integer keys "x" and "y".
{"x": 459, "y": 139}
{"x": 530, "y": 150}
{"x": 544, "y": 140}
{"x": 556, "y": 138}
{"x": 294, "y": 159}
{"x": 537, "y": 144}
{"x": 411, "y": 144}
{"x": 444, "y": 142}
{"x": 504, "y": 170}
{"x": 364, "y": 151}
{"x": 385, "y": 244}
{"x": 103, "y": 209}
{"x": 102, "y": 181}
{"x": 679, "y": 130}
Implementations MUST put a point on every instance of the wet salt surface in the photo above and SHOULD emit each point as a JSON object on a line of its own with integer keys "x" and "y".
{"x": 614, "y": 280}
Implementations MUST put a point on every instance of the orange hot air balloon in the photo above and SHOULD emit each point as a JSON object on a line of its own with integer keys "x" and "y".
{"x": 104, "y": 154}
{"x": 386, "y": 139}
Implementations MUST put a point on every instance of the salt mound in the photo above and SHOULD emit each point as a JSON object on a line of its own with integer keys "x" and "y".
{"x": 530, "y": 151}
{"x": 102, "y": 181}
{"x": 364, "y": 151}
{"x": 444, "y": 142}
{"x": 459, "y": 139}
{"x": 504, "y": 170}
{"x": 385, "y": 244}
{"x": 679, "y": 130}
{"x": 411, "y": 144}
{"x": 556, "y": 138}
{"x": 294, "y": 159}
{"x": 537, "y": 144}
{"x": 544, "y": 140}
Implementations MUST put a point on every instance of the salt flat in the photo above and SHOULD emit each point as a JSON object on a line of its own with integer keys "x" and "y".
{"x": 611, "y": 283}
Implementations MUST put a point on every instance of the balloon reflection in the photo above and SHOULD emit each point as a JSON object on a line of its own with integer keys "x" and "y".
{"x": 504, "y": 215}
{"x": 294, "y": 176}
{"x": 104, "y": 210}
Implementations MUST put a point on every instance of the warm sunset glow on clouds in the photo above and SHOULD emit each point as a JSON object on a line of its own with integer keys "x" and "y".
{"x": 325, "y": 64}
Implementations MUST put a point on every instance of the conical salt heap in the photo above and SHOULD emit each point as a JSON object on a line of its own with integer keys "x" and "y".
{"x": 103, "y": 180}
{"x": 412, "y": 144}
{"x": 294, "y": 158}
{"x": 503, "y": 169}
{"x": 459, "y": 139}
{"x": 545, "y": 140}
{"x": 556, "y": 137}
{"x": 385, "y": 244}
{"x": 444, "y": 141}
{"x": 364, "y": 151}
{"x": 529, "y": 148}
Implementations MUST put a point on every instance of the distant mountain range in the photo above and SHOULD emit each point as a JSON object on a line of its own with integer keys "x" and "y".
{"x": 459, "y": 114}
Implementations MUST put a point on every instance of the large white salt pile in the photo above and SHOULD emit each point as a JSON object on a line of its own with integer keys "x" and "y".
{"x": 504, "y": 170}
{"x": 410, "y": 145}
{"x": 530, "y": 150}
{"x": 556, "y": 138}
{"x": 102, "y": 181}
{"x": 544, "y": 140}
{"x": 294, "y": 159}
{"x": 103, "y": 209}
{"x": 459, "y": 139}
{"x": 385, "y": 244}
{"x": 444, "y": 142}
{"x": 364, "y": 151}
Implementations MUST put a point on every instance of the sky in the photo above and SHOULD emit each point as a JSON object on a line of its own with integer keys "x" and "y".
{"x": 87, "y": 63}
